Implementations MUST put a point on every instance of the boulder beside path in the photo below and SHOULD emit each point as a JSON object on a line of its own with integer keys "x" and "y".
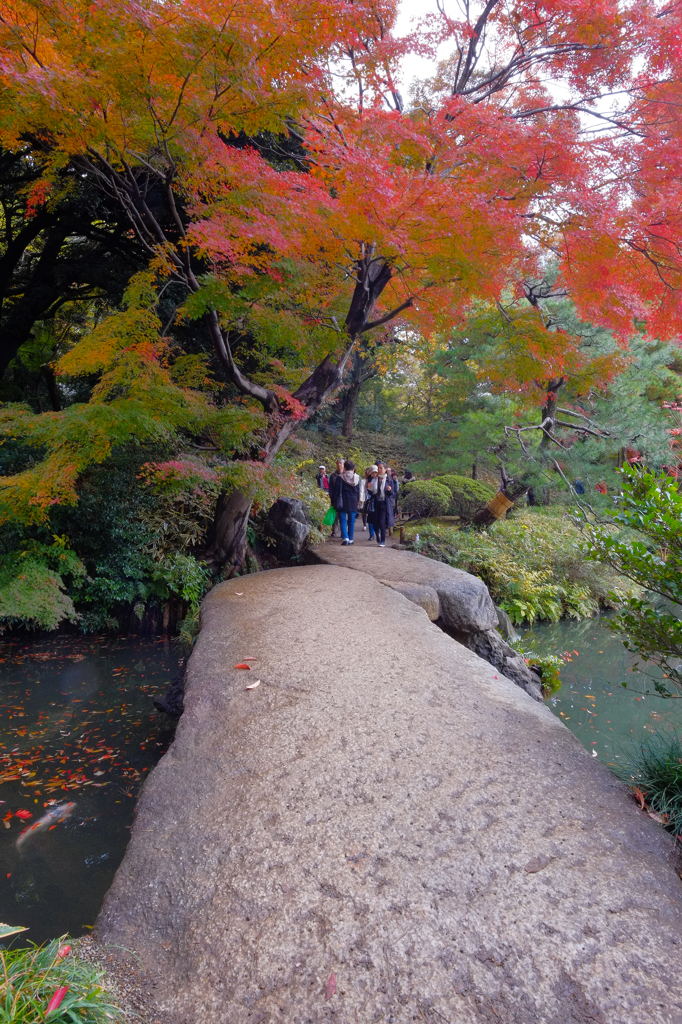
{"x": 288, "y": 523}
{"x": 384, "y": 829}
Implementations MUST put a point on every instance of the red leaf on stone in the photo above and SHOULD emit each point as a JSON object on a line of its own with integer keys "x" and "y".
{"x": 640, "y": 798}
{"x": 331, "y": 986}
{"x": 242, "y": 664}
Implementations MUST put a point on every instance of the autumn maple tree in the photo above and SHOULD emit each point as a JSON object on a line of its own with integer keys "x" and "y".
{"x": 271, "y": 171}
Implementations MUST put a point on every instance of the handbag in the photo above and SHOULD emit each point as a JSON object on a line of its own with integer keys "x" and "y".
{"x": 330, "y": 517}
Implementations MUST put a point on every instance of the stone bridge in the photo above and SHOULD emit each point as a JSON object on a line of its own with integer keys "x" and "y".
{"x": 386, "y": 828}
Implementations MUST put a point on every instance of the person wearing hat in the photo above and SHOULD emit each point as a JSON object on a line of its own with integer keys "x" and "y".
{"x": 381, "y": 497}
{"x": 322, "y": 478}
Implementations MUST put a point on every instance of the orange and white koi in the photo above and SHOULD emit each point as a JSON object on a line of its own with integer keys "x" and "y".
{"x": 55, "y": 814}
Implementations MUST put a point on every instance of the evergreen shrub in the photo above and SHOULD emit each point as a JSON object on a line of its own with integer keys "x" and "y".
{"x": 426, "y": 498}
{"x": 467, "y": 495}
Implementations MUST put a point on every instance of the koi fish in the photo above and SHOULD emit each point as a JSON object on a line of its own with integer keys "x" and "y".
{"x": 53, "y": 816}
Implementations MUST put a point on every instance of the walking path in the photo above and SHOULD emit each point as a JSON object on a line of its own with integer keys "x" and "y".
{"x": 385, "y": 829}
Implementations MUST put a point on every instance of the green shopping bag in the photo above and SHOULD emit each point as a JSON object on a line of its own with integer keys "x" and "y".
{"x": 330, "y": 517}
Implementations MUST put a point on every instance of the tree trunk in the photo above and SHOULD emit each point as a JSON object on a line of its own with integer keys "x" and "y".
{"x": 229, "y": 541}
{"x": 52, "y": 388}
{"x": 352, "y": 396}
{"x": 512, "y": 490}
{"x": 549, "y": 410}
{"x": 228, "y": 545}
{"x": 474, "y": 472}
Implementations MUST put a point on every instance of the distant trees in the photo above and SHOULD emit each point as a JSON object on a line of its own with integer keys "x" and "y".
{"x": 539, "y": 393}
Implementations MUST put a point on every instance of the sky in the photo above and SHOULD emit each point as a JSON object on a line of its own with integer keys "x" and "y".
{"x": 413, "y": 66}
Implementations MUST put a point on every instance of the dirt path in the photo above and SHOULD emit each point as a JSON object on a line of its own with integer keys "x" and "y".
{"x": 385, "y": 829}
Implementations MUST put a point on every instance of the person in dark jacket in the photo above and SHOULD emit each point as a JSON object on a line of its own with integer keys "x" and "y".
{"x": 350, "y": 494}
{"x": 396, "y": 491}
{"x": 382, "y": 516}
{"x": 335, "y": 494}
{"x": 366, "y": 498}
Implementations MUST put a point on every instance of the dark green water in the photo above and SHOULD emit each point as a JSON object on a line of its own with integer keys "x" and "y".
{"x": 608, "y": 719}
{"x": 77, "y": 725}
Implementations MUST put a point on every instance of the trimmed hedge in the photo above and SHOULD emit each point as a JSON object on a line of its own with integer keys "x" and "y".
{"x": 426, "y": 498}
{"x": 467, "y": 495}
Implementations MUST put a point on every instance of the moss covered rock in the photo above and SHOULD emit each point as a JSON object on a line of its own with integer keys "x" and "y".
{"x": 467, "y": 495}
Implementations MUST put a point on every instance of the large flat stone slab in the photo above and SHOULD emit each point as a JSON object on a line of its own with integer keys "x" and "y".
{"x": 388, "y": 822}
{"x": 464, "y": 604}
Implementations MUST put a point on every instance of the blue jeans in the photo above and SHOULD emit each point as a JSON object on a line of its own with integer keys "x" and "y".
{"x": 347, "y": 531}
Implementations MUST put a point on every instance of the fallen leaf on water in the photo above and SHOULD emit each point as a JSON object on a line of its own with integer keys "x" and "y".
{"x": 23, "y": 814}
{"x": 253, "y": 685}
{"x": 639, "y": 796}
{"x": 331, "y": 986}
{"x": 242, "y": 664}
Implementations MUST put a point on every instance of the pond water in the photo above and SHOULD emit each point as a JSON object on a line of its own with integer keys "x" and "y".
{"x": 608, "y": 719}
{"x": 77, "y": 726}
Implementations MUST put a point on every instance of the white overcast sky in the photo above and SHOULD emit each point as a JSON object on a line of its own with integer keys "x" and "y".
{"x": 420, "y": 67}
{"x": 413, "y": 66}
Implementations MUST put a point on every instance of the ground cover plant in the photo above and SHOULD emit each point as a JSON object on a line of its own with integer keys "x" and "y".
{"x": 49, "y": 983}
{"x": 654, "y": 772}
{"x": 532, "y": 564}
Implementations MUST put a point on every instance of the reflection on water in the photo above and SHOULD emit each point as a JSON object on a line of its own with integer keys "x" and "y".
{"x": 76, "y": 725}
{"x": 608, "y": 719}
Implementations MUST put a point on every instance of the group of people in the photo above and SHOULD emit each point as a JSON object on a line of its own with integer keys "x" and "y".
{"x": 375, "y": 497}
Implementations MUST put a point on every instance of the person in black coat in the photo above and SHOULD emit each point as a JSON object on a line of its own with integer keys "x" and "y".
{"x": 382, "y": 516}
{"x": 349, "y": 495}
{"x": 396, "y": 491}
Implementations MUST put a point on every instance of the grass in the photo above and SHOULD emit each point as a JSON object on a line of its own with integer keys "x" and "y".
{"x": 655, "y": 769}
{"x": 33, "y": 978}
